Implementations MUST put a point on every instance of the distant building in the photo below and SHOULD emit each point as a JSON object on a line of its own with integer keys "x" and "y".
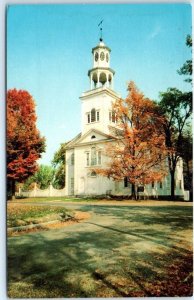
{"x": 85, "y": 150}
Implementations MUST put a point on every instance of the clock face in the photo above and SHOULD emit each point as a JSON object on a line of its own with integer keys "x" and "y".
{"x": 96, "y": 56}
{"x": 107, "y": 58}
{"x": 102, "y": 55}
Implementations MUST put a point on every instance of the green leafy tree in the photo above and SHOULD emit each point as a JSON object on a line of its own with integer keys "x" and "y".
{"x": 58, "y": 163}
{"x": 187, "y": 69}
{"x": 177, "y": 108}
{"x": 187, "y": 155}
{"x": 43, "y": 177}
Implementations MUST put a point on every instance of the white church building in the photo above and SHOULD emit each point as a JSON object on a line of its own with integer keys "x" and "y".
{"x": 85, "y": 151}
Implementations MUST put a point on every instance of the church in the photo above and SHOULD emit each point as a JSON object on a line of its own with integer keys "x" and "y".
{"x": 85, "y": 151}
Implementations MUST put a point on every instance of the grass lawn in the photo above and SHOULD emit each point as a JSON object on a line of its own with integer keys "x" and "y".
{"x": 50, "y": 199}
{"x": 21, "y": 215}
{"x": 121, "y": 251}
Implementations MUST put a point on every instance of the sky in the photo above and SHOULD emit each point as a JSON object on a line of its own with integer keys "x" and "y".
{"x": 49, "y": 55}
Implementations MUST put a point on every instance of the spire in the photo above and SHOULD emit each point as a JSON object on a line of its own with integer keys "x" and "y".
{"x": 100, "y": 24}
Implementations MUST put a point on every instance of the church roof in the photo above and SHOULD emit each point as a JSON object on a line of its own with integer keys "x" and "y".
{"x": 101, "y": 45}
{"x": 82, "y": 139}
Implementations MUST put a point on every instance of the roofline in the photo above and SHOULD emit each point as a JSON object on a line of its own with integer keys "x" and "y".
{"x": 100, "y": 47}
{"x": 73, "y": 142}
{"x": 101, "y": 68}
{"x": 99, "y": 90}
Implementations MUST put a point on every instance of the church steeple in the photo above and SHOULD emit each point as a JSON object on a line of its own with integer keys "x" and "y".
{"x": 101, "y": 74}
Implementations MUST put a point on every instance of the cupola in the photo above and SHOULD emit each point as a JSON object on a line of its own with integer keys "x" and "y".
{"x": 101, "y": 74}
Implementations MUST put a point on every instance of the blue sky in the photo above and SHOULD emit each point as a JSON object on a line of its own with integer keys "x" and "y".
{"x": 49, "y": 54}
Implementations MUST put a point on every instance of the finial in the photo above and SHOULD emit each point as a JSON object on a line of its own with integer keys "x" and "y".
{"x": 101, "y": 39}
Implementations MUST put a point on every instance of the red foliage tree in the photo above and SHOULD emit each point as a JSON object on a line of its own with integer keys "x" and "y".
{"x": 139, "y": 151}
{"x": 24, "y": 143}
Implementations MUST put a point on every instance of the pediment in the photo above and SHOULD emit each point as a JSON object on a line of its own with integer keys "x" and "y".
{"x": 92, "y": 136}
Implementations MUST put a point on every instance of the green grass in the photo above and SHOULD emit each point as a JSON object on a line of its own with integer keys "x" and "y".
{"x": 20, "y": 215}
{"x": 51, "y": 199}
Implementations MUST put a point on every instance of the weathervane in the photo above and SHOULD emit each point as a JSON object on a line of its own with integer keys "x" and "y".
{"x": 100, "y": 30}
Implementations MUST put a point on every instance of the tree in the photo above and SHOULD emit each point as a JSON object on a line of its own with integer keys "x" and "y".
{"x": 187, "y": 69}
{"x": 43, "y": 177}
{"x": 24, "y": 142}
{"x": 58, "y": 162}
{"x": 186, "y": 150}
{"x": 138, "y": 153}
{"x": 176, "y": 106}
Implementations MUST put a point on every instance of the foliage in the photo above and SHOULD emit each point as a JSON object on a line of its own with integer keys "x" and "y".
{"x": 139, "y": 151}
{"x": 24, "y": 142}
{"x": 59, "y": 164}
{"x": 187, "y": 69}
{"x": 43, "y": 177}
{"x": 176, "y": 106}
{"x": 186, "y": 150}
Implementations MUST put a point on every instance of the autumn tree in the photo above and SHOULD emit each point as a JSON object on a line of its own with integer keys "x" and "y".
{"x": 24, "y": 142}
{"x": 138, "y": 152}
{"x": 58, "y": 163}
{"x": 176, "y": 106}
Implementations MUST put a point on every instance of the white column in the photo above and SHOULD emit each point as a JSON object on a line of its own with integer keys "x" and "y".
{"x": 91, "y": 82}
{"x": 106, "y": 83}
{"x": 98, "y": 78}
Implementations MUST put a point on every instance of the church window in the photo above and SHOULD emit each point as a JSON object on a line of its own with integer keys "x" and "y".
{"x": 93, "y": 174}
{"x": 99, "y": 157}
{"x": 93, "y": 115}
{"x": 72, "y": 159}
{"x": 97, "y": 116}
{"x": 88, "y": 116}
{"x": 93, "y": 137}
{"x": 125, "y": 182}
{"x": 160, "y": 184}
{"x": 152, "y": 184}
{"x": 87, "y": 158}
{"x": 93, "y": 156}
{"x": 112, "y": 116}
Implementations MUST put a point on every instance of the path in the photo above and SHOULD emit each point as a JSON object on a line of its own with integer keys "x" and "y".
{"x": 117, "y": 252}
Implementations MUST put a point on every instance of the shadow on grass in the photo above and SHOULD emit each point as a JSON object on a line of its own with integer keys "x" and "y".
{"x": 85, "y": 263}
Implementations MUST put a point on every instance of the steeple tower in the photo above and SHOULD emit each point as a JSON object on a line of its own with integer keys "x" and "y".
{"x": 97, "y": 103}
{"x": 101, "y": 74}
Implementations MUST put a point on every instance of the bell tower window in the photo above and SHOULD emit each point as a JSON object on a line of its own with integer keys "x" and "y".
{"x": 93, "y": 116}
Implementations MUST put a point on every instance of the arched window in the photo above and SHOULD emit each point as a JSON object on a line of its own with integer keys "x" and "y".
{"x": 93, "y": 115}
{"x": 93, "y": 156}
{"x": 93, "y": 137}
{"x": 72, "y": 159}
{"x": 102, "y": 78}
{"x": 87, "y": 159}
{"x": 99, "y": 157}
{"x": 93, "y": 174}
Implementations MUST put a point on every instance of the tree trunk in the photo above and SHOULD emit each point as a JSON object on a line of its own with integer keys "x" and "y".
{"x": 172, "y": 174}
{"x": 13, "y": 190}
{"x": 133, "y": 192}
